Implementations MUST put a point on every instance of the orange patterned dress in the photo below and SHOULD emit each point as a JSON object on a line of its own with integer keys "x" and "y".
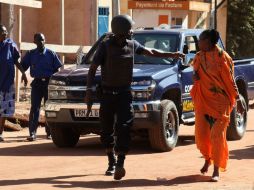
{"x": 213, "y": 96}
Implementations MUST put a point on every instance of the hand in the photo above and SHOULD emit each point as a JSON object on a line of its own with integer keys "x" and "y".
{"x": 88, "y": 101}
{"x": 24, "y": 78}
{"x": 240, "y": 108}
{"x": 88, "y": 97}
{"x": 180, "y": 55}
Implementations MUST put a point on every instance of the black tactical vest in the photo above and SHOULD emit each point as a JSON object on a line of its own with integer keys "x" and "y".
{"x": 118, "y": 66}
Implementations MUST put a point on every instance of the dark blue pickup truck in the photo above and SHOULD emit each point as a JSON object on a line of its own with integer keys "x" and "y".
{"x": 160, "y": 88}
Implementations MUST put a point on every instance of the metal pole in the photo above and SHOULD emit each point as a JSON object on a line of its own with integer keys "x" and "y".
{"x": 94, "y": 22}
{"x": 215, "y": 14}
{"x": 62, "y": 27}
{"x": 17, "y": 81}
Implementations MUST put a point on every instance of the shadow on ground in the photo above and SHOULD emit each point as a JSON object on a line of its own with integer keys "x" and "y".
{"x": 66, "y": 182}
{"x": 87, "y": 146}
{"x": 240, "y": 154}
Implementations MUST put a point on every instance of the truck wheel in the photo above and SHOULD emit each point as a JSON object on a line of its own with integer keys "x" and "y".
{"x": 163, "y": 137}
{"x": 238, "y": 122}
{"x": 64, "y": 136}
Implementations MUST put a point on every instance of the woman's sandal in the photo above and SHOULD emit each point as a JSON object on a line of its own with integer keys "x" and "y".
{"x": 215, "y": 178}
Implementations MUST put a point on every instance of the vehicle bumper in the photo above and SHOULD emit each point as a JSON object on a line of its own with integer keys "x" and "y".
{"x": 147, "y": 114}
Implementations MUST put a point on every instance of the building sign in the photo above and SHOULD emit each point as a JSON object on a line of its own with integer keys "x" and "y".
{"x": 170, "y": 5}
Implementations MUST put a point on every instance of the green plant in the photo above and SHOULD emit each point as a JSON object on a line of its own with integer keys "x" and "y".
{"x": 240, "y": 28}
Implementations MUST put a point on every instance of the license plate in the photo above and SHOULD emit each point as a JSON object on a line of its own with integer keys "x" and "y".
{"x": 82, "y": 113}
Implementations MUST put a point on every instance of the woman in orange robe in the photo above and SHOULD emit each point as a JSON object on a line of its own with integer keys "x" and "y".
{"x": 214, "y": 94}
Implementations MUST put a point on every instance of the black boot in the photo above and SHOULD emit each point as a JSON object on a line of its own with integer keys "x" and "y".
{"x": 120, "y": 171}
{"x": 111, "y": 164}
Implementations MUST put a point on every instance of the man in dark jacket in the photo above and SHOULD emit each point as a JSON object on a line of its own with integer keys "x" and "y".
{"x": 115, "y": 56}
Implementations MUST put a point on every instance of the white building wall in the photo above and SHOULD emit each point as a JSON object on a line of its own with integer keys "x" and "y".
{"x": 150, "y": 18}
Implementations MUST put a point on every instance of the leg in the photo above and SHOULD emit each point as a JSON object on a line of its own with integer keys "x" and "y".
{"x": 202, "y": 138}
{"x": 7, "y": 107}
{"x": 215, "y": 176}
{"x": 111, "y": 162}
{"x": 45, "y": 97}
{"x": 123, "y": 125}
{"x": 36, "y": 97}
{"x": 2, "y": 121}
{"x": 107, "y": 138}
{"x": 219, "y": 145}
{"x": 107, "y": 115}
{"x": 124, "y": 122}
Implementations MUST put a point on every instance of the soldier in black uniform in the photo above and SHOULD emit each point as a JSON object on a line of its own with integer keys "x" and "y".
{"x": 115, "y": 56}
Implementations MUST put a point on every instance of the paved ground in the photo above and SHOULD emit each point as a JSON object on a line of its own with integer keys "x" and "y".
{"x": 40, "y": 165}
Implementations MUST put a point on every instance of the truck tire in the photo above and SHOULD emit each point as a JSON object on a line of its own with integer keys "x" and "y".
{"x": 238, "y": 122}
{"x": 163, "y": 137}
{"x": 64, "y": 136}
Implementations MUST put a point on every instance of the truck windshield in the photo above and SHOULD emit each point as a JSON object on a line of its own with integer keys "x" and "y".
{"x": 163, "y": 42}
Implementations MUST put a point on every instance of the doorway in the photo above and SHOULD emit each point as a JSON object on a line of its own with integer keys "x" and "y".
{"x": 103, "y": 20}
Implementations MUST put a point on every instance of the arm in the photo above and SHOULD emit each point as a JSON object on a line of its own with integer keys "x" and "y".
{"x": 97, "y": 60}
{"x": 16, "y": 55}
{"x": 196, "y": 64}
{"x": 90, "y": 78}
{"x": 227, "y": 75}
{"x": 23, "y": 77}
{"x": 56, "y": 63}
{"x": 142, "y": 50}
{"x": 158, "y": 53}
{"x": 91, "y": 75}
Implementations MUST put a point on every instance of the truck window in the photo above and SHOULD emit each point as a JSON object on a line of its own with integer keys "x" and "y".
{"x": 163, "y": 42}
{"x": 192, "y": 43}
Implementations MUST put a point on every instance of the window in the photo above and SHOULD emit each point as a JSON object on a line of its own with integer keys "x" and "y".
{"x": 163, "y": 42}
{"x": 103, "y": 11}
{"x": 191, "y": 44}
{"x": 177, "y": 21}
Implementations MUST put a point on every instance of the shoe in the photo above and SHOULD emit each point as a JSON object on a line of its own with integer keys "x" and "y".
{"x": 111, "y": 164}
{"x": 119, "y": 173}
{"x": 215, "y": 178}
{"x": 1, "y": 138}
{"x": 49, "y": 137}
{"x": 111, "y": 170}
{"x": 31, "y": 138}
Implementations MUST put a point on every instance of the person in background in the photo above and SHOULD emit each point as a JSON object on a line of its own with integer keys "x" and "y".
{"x": 214, "y": 94}
{"x": 115, "y": 56}
{"x": 9, "y": 57}
{"x": 43, "y": 63}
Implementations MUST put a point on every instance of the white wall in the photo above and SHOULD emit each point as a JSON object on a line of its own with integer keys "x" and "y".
{"x": 150, "y": 18}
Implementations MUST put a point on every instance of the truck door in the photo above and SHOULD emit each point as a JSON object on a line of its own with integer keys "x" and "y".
{"x": 190, "y": 48}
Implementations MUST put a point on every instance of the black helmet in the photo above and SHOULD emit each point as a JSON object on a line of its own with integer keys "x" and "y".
{"x": 121, "y": 24}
